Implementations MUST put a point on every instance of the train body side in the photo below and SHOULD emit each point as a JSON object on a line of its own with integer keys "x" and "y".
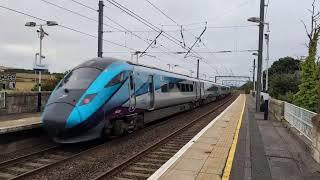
{"x": 123, "y": 94}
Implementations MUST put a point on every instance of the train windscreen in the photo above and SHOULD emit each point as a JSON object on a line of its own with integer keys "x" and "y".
{"x": 79, "y": 78}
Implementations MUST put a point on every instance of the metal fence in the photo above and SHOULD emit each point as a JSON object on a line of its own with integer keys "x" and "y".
{"x": 2, "y": 100}
{"x": 299, "y": 118}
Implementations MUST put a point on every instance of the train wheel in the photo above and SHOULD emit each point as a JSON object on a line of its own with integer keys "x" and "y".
{"x": 119, "y": 128}
{"x": 140, "y": 122}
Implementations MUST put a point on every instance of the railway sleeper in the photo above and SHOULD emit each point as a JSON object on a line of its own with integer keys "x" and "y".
{"x": 154, "y": 161}
{"x": 145, "y": 165}
{"x": 180, "y": 143}
{"x": 157, "y": 157}
{"x": 6, "y": 176}
{"x": 141, "y": 170}
{"x": 46, "y": 160}
{"x": 34, "y": 164}
{"x": 135, "y": 175}
{"x": 163, "y": 153}
{"x": 167, "y": 150}
{"x": 13, "y": 172}
{"x": 121, "y": 178}
{"x": 175, "y": 146}
{"x": 170, "y": 148}
{"x": 18, "y": 169}
{"x": 55, "y": 157}
{"x": 182, "y": 140}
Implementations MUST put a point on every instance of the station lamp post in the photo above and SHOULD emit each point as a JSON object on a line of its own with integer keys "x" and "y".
{"x": 260, "y": 52}
{"x": 42, "y": 34}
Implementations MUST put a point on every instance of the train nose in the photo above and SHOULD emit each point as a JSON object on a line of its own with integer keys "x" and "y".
{"x": 55, "y": 118}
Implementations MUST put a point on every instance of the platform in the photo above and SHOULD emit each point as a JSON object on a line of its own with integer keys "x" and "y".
{"x": 209, "y": 155}
{"x": 268, "y": 149}
{"x": 19, "y": 122}
{"x": 240, "y": 145}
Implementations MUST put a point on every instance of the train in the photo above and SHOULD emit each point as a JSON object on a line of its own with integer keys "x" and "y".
{"x": 105, "y": 97}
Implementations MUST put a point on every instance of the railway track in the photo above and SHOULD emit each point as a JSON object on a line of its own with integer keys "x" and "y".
{"x": 23, "y": 166}
{"x": 149, "y": 160}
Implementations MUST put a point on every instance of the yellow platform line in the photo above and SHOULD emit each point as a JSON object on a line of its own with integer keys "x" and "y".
{"x": 227, "y": 169}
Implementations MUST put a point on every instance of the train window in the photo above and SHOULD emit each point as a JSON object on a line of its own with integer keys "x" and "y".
{"x": 164, "y": 88}
{"x": 214, "y": 88}
{"x": 187, "y": 88}
{"x": 131, "y": 82}
{"x": 179, "y": 86}
{"x": 79, "y": 78}
{"x": 183, "y": 87}
{"x": 191, "y": 88}
{"x": 116, "y": 80}
{"x": 171, "y": 85}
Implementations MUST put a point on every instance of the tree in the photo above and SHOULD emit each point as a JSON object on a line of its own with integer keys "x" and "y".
{"x": 308, "y": 95}
{"x": 284, "y": 78}
{"x": 246, "y": 87}
{"x": 286, "y": 65}
{"x": 284, "y": 86}
{"x": 50, "y": 84}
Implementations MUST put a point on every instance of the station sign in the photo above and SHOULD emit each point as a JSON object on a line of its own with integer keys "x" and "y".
{"x": 10, "y": 77}
{"x": 41, "y": 67}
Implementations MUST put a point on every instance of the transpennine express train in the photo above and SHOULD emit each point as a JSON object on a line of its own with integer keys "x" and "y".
{"x": 106, "y": 96}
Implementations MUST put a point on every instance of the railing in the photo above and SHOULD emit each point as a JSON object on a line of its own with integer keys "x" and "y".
{"x": 299, "y": 118}
{"x": 2, "y": 99}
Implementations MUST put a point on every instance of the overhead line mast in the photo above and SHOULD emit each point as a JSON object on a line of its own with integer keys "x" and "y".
{"x": 100, "y": 29}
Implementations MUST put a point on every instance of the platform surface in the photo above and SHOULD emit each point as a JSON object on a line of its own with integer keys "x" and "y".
{"x": 208, "y": 154}
{"x": 13, "y": 123}
{"x": 267, "y": 149}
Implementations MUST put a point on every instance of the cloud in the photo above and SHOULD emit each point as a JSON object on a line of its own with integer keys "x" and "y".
{"x": 65, "y": 49}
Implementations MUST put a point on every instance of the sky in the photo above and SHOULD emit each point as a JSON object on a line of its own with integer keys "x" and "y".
{"x": 227, "y": 29}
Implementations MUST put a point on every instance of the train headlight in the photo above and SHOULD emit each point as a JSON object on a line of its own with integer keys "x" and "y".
{"x": 88, "y": 98}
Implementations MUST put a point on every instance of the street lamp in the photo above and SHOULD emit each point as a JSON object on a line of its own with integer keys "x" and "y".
{"x": 267, "y": 37}
{"x": 42, "y": 34}
{"x": 260, "y": 52}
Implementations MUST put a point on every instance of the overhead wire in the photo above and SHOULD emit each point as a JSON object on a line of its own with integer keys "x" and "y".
{"x": 84, "y": 5}
{"x": 178, "y": 24}
{"x": 190, "y": 29}
{"x": 127, "y": 30}
{"x": 147, "y": 23}
{"x": 76, "y": 13}
{"x": 70, "y": 28}
{"x": 63, "y": 26}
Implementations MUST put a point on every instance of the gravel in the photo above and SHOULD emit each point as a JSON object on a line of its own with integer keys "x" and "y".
{"x": 18, "y": 144}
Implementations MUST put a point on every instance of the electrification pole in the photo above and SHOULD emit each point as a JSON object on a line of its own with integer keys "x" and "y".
{"x": 198, "y": 63}
{"x": 260, "y": 54}
{"x": 41, "y": 35}
{"x": 100, "y": 29}
{"x": 254, "y": 75}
